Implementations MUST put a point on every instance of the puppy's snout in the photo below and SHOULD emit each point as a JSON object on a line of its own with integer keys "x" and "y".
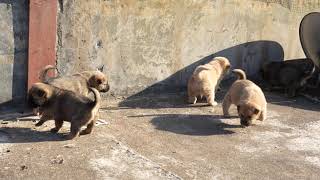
{"x": 245, "y": 122}
{"x": 106, "y": 88}
{"x": 32, "y": 103}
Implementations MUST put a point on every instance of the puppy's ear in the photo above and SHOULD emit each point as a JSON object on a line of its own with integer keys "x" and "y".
{"x": 99, "y": 81}
{"x": 41, "y": 93}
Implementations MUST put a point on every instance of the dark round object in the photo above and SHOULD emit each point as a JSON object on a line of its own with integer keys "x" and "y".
{"x": 309, "y": 33}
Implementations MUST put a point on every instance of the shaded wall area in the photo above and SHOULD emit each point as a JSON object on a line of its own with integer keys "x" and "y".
{"x": 155, "y": 45}
{"x": 13, "y": 52}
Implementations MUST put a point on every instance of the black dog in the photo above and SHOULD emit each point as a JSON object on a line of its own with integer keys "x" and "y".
{"x": 290, "y": 75}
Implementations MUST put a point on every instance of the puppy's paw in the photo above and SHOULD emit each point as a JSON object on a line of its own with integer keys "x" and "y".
{"x": 54, "y": 130}
{"x": 84, "y": 132}
{"x": 214, "y": 103}
{"x": 227, "y": 115}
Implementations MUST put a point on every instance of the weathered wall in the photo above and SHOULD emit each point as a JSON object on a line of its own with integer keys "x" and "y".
{"x": 159, "y": 42}
{"x": 13, "y": 50}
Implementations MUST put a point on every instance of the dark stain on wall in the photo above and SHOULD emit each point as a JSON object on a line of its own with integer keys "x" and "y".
{"x": 14, "y": 56}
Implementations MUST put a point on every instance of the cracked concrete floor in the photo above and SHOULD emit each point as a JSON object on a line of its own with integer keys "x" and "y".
{"x": 162, "y": 138}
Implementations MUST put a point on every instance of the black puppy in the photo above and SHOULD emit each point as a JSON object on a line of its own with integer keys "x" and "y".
{"x": 290, "y": 75}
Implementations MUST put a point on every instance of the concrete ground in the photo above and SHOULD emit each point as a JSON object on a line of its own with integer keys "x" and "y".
{"x": 163, "y": 138}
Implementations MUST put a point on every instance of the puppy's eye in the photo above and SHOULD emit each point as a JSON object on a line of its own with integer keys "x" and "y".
{"x": 99, "y": 81}
{"x": 256, "y": 111}
{"x": 41, "y": 93}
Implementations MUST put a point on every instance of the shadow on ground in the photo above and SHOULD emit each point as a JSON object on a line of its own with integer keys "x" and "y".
{"x": 248, "y": 56}
{"x": 164, "y": 100}
{"x": 195, "y": 125}
{"x": 299, "y": 102}
{"x": 150, "y": 101}
{"x": 27, "y": 135}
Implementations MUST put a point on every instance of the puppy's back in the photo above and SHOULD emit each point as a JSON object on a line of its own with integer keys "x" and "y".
{"x": 244, "y": 89}
{"x": 208, "y": 70}
{"x": 74, "y": 83}
{"x": 68, "y": 103}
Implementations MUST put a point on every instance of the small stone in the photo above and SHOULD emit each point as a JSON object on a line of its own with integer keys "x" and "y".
{"x": 69, "y": 145}
{"x": 8, "y": 150}
{"x": 99, "y": 44}
{"x": 101, "y": 122}
{"x": 57, "y": 160}
{"x": 23, "y": 167}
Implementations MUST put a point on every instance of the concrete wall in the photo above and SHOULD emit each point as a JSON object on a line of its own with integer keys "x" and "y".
{"x": 156, "y": 44}
{"x": 13, "y": 50}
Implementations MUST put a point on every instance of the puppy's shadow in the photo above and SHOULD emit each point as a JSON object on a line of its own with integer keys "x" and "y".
{"x": 27, "y": 135}
{"x": 195, "y": 125}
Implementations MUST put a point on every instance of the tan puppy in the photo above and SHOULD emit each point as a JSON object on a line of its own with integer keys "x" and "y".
{"x": 206, "y": 78}
{"x": 249, "y": 99}
{"x": 80, "y": 82}
{"x": 63, "y": 105}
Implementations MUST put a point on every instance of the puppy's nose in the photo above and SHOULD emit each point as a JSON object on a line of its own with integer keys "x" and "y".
{"x": 106, "y": 89}
{"x": 245, "y": 123}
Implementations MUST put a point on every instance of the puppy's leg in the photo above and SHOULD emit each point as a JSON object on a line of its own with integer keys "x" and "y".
{"x": 74, "y": 131}
{"x": 210, "y": 99}
{"x": 44, "y": 118}
{"x": 36, "y": 111}
{"x": 226, "y": 104}
{"x": 88, "y": 130}
{"x": 192, "y": 97}
{"x": 58, "y": 124}
{"x": 192, "y": 93}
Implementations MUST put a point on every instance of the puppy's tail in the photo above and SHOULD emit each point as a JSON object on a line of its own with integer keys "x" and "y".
{"x": 97, "y": 98}
{"x": 43, "y": 73}
{"x": 240, "y": 73}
